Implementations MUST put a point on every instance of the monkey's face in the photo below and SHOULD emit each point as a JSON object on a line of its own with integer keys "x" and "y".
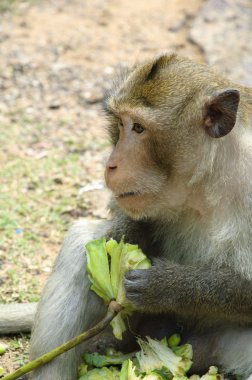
{"x": 131, "y": 173}
{"x": 163, "y": 127}
{"x": 148, "y": 169}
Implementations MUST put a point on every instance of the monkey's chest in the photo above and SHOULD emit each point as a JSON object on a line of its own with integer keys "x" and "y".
{"x": 190, "y": 247}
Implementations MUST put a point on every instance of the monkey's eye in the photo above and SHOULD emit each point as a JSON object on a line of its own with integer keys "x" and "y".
{"x": 138, "y": 128}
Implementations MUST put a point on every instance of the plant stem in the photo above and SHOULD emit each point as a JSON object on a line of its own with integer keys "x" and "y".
{"x": 113, "y": 309}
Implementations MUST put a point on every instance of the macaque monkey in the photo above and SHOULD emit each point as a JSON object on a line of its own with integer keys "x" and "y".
{"x": 181, "y": 177}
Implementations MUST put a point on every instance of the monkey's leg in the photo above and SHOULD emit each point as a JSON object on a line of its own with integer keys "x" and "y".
{"x": 234, "y": 351}
{"x": 67, "y": 306}
{"x": 228, "y": 349}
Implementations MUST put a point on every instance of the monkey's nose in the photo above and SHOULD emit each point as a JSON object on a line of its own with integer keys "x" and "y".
{"x": 111, "y": 165}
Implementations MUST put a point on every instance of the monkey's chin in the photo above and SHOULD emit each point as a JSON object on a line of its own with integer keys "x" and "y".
{"x": 137, "y": 206}
{"x": 147, "y": 207}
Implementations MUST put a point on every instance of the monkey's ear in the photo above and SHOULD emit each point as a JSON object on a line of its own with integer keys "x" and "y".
{"x": 221, "y": 113}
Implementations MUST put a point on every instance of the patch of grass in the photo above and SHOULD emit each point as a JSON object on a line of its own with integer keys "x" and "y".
{"x": 17, "y": 352}
{"x": 6, "y": 5}
{"x": 9, "y": 5}
{"x": 38, "y": 199}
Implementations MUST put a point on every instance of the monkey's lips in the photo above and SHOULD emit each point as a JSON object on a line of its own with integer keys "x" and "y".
{"x": 133, "y": 200}
{"x": 127, "y": 194}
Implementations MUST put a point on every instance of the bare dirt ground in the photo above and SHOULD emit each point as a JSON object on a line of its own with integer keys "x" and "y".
{"x": 57, "y": 59}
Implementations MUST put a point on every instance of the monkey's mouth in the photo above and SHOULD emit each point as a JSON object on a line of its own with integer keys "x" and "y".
{"x": 127, "y": 194}
{"x": 134, "y": 202}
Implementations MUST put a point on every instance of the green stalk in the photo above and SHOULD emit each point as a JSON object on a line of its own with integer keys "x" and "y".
{"x": 113, "y": 309}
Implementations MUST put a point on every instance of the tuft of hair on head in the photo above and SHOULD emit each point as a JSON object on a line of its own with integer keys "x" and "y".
{"x": 159, "y": 63}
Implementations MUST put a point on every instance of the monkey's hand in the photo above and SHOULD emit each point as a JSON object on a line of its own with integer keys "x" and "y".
{"x": 153, "y": 289}
{"x": 168, "y": 286}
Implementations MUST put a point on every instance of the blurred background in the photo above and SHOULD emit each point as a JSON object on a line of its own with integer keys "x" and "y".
{"x": 57, "y": 59}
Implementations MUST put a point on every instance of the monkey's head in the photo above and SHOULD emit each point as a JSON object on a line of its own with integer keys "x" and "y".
{"x": 167, "y": 119}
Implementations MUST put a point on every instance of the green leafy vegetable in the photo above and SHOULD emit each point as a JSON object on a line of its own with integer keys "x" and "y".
{"x": 156, "y": 354}
{"x": 107, "y": 263}
{"x": 98, "y": 269}
{"x": 212, "y": 374}
{"x": 128, "y": 371}
{"x": 101, "y": 374}
{"x": 174, "y": 340}
{"x": 185, "y": 351}
{"x": 98, "y": 360}
{"x": 118, "y": 324}
{"x": 83, "y": 369}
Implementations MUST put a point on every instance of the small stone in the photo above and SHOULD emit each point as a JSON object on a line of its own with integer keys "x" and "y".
{"x": 3, "y": 348}
{"x": 109, "y": 70}
{"x": 93, "y": 96}
{"x": 54, "y": 105}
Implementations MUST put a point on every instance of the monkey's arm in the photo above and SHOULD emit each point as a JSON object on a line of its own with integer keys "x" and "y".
{"x": 67, "y": 306}
{"x": 203, "y": 290}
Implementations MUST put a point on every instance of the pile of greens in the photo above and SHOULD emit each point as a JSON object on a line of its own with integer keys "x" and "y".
{"x": 156, "y": 360}
{"x": 107, "y": 263}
